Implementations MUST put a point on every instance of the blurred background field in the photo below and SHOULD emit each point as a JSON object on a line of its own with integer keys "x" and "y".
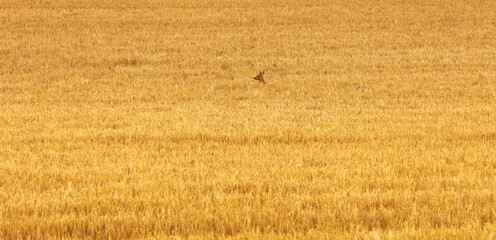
{"x": 141, "y": 119}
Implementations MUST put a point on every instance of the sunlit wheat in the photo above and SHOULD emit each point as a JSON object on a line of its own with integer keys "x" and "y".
{"x": 140, "y": 119}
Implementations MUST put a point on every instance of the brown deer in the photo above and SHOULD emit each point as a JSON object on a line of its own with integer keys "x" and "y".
{"x": 259, "y": 77}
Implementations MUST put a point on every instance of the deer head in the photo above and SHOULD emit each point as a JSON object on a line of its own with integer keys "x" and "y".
{"x": 260, "y": 77}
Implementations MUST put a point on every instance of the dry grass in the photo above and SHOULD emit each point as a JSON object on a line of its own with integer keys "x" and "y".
{"x": 123, "y": 119}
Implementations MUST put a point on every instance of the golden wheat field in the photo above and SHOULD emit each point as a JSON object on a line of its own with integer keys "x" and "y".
{"x": 141, "y": 119}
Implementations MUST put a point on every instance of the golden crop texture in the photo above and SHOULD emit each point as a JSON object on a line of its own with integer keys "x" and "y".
{"x": 141, "y": 119}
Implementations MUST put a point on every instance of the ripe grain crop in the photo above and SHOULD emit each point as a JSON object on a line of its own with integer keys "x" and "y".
{"x": 141, "y": 119}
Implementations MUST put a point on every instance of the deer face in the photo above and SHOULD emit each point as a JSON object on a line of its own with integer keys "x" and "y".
{"x": 260, "y": 77}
